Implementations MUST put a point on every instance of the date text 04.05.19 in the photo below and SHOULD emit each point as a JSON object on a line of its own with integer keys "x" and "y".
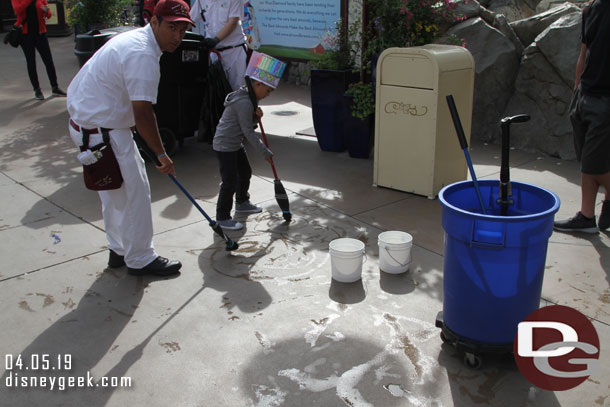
{"x": 37, "y": 362}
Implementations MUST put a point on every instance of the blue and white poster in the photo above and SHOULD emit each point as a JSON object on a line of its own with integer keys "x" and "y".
{"x": 290, "y": 28}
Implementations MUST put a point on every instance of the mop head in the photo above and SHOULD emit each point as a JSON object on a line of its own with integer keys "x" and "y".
{"x": 282, "y": 200}
{"x": 230, "y": 244}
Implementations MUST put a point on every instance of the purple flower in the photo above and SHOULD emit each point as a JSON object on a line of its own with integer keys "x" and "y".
{"x": 377, "y": 23}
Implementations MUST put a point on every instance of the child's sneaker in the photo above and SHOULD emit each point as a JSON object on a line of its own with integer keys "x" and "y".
{"x": 230, "y": 224}
{"x": 604, "y": 218}
{"x": 579, "y": 223}
{"x": 247, "y": 207}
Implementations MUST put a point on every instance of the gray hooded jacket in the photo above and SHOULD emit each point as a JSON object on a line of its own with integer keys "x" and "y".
{"x": 236, "y": 123}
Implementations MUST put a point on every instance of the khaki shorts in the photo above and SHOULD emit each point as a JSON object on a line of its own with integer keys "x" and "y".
{"x": 590, "y": 117}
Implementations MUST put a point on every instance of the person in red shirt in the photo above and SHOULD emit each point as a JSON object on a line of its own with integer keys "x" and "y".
{"x": 31, "y": 16}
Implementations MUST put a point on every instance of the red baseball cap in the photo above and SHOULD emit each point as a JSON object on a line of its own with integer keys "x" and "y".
{"x": 173, "y": 10}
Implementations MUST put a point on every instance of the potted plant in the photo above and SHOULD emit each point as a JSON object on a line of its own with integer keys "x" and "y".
{"x": 331, "y": 73}
{"x": 91, "y": 20}
{"x": 387, "y": 23}
{"x": 359, "y": 100}
{"x": 86, "y": 15}
{"x": 359, "y": 119}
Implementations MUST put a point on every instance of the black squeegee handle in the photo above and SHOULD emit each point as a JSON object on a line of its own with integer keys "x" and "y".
{"x": 456, "y": 122}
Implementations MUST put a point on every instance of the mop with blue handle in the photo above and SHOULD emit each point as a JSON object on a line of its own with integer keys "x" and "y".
{"x": 464, "y": 144}
{"x": 230, "y": 244}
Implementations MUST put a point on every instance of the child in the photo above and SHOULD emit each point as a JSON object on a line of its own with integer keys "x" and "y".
{"x": 238, "y": 121}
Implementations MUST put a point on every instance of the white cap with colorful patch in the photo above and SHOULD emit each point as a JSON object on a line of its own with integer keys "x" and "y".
{"x": 266, "y": 69}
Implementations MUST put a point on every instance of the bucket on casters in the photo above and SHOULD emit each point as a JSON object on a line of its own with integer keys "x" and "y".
{"x": 394, "y": 251}
{"x": 493, "y": 265}
{"x": 346, "y": 258}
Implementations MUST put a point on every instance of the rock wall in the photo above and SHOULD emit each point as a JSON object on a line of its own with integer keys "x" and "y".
{"x": 496, "y": 68}
{"x": 545, "y": 46}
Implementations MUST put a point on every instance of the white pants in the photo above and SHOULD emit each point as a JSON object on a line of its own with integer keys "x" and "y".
{"x": 234, "y": 64}
{"x": 127, "y": 212}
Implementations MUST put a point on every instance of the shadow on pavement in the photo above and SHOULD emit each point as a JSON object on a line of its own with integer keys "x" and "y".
{"x": 496, "y": 382}
{"x": 87, "y": 333}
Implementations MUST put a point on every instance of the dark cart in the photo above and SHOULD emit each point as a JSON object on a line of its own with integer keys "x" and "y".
{"x": 182, "y": 88}
{"x": 86, "y": 44}
{"x": 184, "y": 83}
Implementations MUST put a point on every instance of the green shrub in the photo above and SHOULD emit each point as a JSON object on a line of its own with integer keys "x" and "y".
{"x": 406, "y": 23}
{"x": 363, "y": 103}
{"x": 88, "y": 13}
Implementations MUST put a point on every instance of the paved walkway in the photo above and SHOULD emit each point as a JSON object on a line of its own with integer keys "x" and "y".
{"x": 264, "y": 325}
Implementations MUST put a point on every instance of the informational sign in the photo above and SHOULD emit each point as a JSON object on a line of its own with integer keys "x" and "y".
{"x": 53, "y": 19}
{"x": 290, "y": 28}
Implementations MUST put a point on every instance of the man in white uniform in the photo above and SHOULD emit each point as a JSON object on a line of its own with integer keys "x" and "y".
{"x": 223, "y": 32}
{"x": 115, "y": 90}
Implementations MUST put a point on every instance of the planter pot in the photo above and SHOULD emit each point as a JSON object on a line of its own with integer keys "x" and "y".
{"x": 327, "y": 107}
{"x": 358, "y": 132}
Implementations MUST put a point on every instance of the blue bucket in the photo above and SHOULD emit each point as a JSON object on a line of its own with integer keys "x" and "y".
{"x": 494, "y": 265}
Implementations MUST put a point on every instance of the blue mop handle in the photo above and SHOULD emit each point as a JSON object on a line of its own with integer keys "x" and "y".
{"x": 464, "y": 145}
{"x": 190, "y": 197}
{"x": 231, "y": 245}
{"x": 474, "y": 179}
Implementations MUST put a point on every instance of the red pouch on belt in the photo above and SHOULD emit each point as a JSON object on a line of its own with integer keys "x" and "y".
{"x": 105, "y": 173}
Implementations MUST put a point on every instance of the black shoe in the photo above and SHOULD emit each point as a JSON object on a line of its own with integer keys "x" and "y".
{"x": 159, "y": 266}
{"x": 604, "y": 218}
{"x": 58, "y": 92}
{"x": 38, "y": 94}
{"x": 115, "y": 261}
{"x": 579, "y": 223}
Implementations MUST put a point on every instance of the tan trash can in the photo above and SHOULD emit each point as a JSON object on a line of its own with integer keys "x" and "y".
{"x": 416, "y": 147}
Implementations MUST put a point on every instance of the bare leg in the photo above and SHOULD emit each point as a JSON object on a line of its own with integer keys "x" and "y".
{"x": 588, "y": 191}
{"x": 604, "y": 181}
{"x": 590, "y": 184}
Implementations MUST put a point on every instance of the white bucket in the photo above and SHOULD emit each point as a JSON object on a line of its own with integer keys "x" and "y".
{"x": 394, "y": 251}
{"x": 346, "y": 258}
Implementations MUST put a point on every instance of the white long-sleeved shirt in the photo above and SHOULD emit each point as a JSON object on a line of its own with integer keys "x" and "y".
{"x": 217, "y": 14}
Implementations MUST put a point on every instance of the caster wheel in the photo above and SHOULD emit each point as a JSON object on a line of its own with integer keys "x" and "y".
{"x": 473, "y": 361}
{"x": 170, "y": 143}
{"x": 444, "y": 337}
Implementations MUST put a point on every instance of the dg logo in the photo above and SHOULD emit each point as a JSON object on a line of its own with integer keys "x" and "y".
{"x": 556, "y": 348}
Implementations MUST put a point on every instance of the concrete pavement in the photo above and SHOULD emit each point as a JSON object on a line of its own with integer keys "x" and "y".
{"x": 264, "y": 325}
